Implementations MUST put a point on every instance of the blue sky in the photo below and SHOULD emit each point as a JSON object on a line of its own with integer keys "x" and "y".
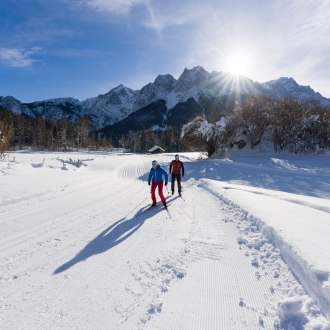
{"x": 82, "y": 48}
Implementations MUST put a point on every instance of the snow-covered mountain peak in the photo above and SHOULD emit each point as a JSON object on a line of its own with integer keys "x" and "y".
{"x": 121, "y": 90}
{"x": 58, "y": 101}
{"x": 192, "y": 78}
{"x": 164, "y": 79}
{"x": 216, "y": 73}
{"x": 285, "y": 87}
{"x": 9, "y": 99}
{"x": 13, "y": 104}
{"x": 195, "y": 74}
{"x": 10, "y": 102}
{"x": 195, "y": 83}
{"x": 283, "y": 81}
{"x": 197, "y": 69}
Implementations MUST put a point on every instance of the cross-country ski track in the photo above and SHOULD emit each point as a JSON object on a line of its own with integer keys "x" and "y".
{"x": 79, "y": 250}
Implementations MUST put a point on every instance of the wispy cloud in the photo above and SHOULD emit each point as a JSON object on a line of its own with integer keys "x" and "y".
{"x": 18, "y": 58}
{"x": 162, "y": 16}
{"x": 310, "y": 22}
{"x": 122, "y": 7}
{"x": 159, "y": 14}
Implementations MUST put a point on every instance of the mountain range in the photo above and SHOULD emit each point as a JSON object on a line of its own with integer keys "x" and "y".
{"x": 166, "y": 101}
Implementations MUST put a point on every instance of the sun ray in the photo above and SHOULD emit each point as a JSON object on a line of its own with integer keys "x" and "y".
{"x": 237, "y": 64}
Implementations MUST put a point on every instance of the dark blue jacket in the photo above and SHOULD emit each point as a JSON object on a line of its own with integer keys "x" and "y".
{"x": 156, "y": 175}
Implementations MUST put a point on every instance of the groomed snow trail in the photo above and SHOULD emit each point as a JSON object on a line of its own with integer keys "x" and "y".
{"x": 228, "y": 284}
{"x": 85, "y": 255}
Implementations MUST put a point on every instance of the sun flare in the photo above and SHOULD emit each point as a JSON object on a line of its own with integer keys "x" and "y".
{"x": 237, "y": 64}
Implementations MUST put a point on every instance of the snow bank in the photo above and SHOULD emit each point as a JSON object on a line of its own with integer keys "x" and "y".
{"x": 300, "y": 233}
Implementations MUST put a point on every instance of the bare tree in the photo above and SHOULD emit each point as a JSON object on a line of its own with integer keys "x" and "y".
{"x": 82, "y": 129}
{"x": 6, "y": 135}
{"x": 256, "y": 117}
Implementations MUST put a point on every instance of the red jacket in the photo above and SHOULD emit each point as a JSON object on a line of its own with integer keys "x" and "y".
{"x": 176, "y": 167}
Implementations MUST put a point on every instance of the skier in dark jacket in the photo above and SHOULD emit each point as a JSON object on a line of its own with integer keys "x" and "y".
{"x": 176, "y": 168}
{"x": 156, "y": 175}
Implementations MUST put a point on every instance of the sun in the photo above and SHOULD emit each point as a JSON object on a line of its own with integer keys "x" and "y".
{"x": 237, "y": 64}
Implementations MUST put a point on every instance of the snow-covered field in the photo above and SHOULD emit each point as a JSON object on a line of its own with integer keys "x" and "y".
{"x": 247, "y": 248}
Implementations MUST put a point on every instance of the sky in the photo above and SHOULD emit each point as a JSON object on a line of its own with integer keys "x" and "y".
{"x": 83, "y": 48}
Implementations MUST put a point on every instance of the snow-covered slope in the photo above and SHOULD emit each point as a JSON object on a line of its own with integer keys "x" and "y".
{"x": 14, "y": 105}
{"x": 57, "y": 108}
{"x": 196, "y": 83}
{"x": 111, "y": 107}
{"x": 245, "y": 248}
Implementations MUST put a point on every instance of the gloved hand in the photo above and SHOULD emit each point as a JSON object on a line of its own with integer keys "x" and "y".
{"x": 165, "y": 184}
{"x": 149, "y": 183}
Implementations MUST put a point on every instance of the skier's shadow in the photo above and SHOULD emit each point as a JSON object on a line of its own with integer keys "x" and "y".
{"x": 109, "y": 238}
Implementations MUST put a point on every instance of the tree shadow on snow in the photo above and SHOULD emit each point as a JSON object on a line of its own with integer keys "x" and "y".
{"x": 110, "y": 237}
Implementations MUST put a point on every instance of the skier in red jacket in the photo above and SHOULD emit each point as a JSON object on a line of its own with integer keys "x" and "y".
{"x": 176, "y": 168}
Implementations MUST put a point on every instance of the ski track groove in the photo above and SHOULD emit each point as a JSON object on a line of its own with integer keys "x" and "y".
{"x": 32, "y": 208}
{"x": 41, "y": 228}
{"x": 202, "y": 244}
{"x": 211, "y": 244}
{"x": 71, "y": 218}
{"x": 64, "y": 233}
{"x": 39, "y": 278}
{"x": 72, "y": 221}
{"x": 253, "y": 292}
{"x": 67, "y": 230}
{"x": 269, "y": 268}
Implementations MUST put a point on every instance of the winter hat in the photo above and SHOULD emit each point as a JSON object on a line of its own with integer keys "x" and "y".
{"x": 154, "y": 162}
